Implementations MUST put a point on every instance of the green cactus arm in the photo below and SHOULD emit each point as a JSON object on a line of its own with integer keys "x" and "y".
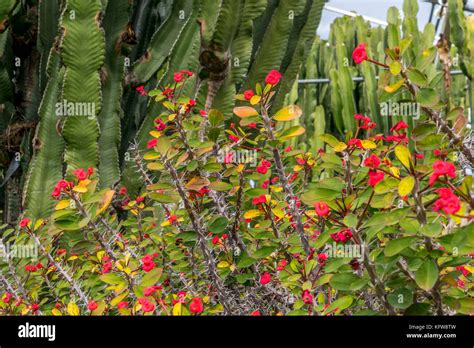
{"x": 45, "y": 169}
{"x": 163, "y": 41}
{"x": 82, "y": 51}
{"x": 297, "y": 53}
{"x": 272, "y": 50}
{"x": 115, "y": 23}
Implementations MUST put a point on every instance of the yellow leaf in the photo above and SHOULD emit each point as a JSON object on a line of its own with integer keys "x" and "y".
{"x": 100, "y": 254}
{"x": 105, "y": 201}
{"x": 197, "y": 183}
{"x": 56, "y": 312}
{"x": 119, "y": 298}
{"x": 403, "y": 155}
{"x": 154, "y": 166}
{"x": 250, "y": 214}
{"x": 394, "y": 87}
{"x": 288, "y": 113}
{"x": 82, "y": 186}
{"x": 245, "y": 111}
{"x": 395, "y": 171}
{"x": 72, "y": 308}
{"x": 240, "y": 168}
{"x": 223, "y": 264}
{"x": 151, "y": 155}
{"x": 38, "y": 224}
{"x": 292, "y": 132}
{"x": 255, "y": 99}
{"x": 155, "y": 134}
{"x": 368, "y": 144}
{"x": 340, "y": 147}
{"x": 177, "y": 309}
{"x": 278, "y": 213}
{"x": 406, "y": 185}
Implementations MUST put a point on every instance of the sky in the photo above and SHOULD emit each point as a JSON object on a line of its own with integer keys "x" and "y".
{"x": 372, "y": 8}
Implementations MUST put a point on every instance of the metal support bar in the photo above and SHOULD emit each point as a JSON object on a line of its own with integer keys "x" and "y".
{"x": 355, "y": 79}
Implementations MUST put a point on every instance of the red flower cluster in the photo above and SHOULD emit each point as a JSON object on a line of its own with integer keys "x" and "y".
{"x": 151, "y": 290}
{"x": 448, "y": 201}
{"x": 342, "y": 236}
{"x": 359, "y": 54}
{"x": 263, "y": 168}
{"x": 92, "y": 305}
{"x": 273, "y": 77}
{"x": 307, "y": 297}
{"x": 234, "y": 138}
{"x": 141, "y": 90}
{"x": 196, "y": 305}
{"x": 375, "y": 177}
{"x": 372, "y": 162}
{"x": 60, "y": 186}
{"x": 24, "y": 222}
{"x": 322, "y": 209}
{"x": 399, "y": 126}
{"x": 160, "y": 125}
{"x": 365, "y": 122}
{"x": 147, "y": 306}
{"x": 151, "y": 143}
{"x": 281, "y": 265}
{"x": 259, "y": 200}
{"x": 148, "y": 263}
{"x": 265, "y": 278}
{"x": 81, "y": 174}
{"x": 248, "y": 94}
{"x": 442, "y": 168}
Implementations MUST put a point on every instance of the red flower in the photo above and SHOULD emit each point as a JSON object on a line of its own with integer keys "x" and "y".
{"x": 187, "y": 72}
{"x": 178, "y": 77}
{"x": 342, "y": 236}
{"x": 149, "y": 291}
{"x": 259, "y": 200}
{"x": 34, "y": 307}
{"x": 56, "y": 192}
{"x": 266, "y": 163}
{"x": 203, "y": 113}
{"x": 281, "y": 264}
{"x": 262, "y": 169}
{"x": 151, "y": 143}
{"x": 7, "y": 297}
{"x": 372, "y": 161}
{"x": 139, "y": 199}
{"x": 399, "y": 126}
{"x": 359, "y": 54}
{"x": 196, "y": 305}
{"x": 62, "y": 184}
{"x": 442, "y": 168}
{"x": 160, "y": 125}
{"x": 107, "y": 267}
{"x": 248, "y": 94}
{"x": 92, "y": 305}
{"x": 273, "y": 77}
{"x": 123, "y": 190}
{"x": 122, "y": 304}
{"x": 288, "y": 149}
{"x": 265, "y": 278}
{"x": 307, "y": 297}
{"x": 234, "y": 138}
{"x": 265, "y": 184}
{"x": 141, "y": 90}
{"x": 322, "y": 257}
{"x": 252, "y": 125}
{"x": 322, "y": 209}
{"x": 147, "y": 306}
{"x": 215, "y": 240}
{"x": 24, "y": 222}
{"x": 39, "y": 265}
{"x": 356, "y": 142}
{"x": 61, "y": 251}
{"x": 172, "y": 218}
{"x": 147, "y": 263}
{"x": 419, "y": 155}
{"x": 255, "y": 314}
{"x": 80, "y": 174}
{"x": 448, "y": 201}
{"x": 375, "y": 177}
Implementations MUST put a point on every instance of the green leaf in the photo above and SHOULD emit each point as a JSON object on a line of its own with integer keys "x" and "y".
{"x": 346, "y": 282}
{"x": 427, "y": 275}
{"x": 152, "y": 277}
{"x": 395, "y": 67}
{"x": 263, "y": 252}
{"x": 341, "y": 304}
{"x": 427, "y": 97}
{"x": 288, "y": 113}
{"x": 417, "y": 77}
{"x": 393, "y": 247}
{"x": 112, "y": 278}
{"x": 218, "y": 225}
{"x": 401, "y": 298}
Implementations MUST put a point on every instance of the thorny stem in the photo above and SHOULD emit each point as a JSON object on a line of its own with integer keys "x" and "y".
{"x": 440, "y": 122}
{"x": 195, "y": 221}
{"x": 421, "y": 217}
{"x": 63, "y": 272}
{"x": 290, "y": 196}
